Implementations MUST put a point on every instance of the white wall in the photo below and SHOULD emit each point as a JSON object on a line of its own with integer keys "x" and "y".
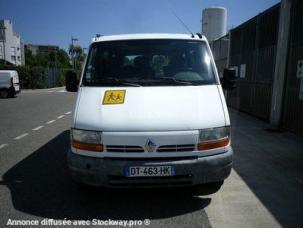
{"x": 12, "y": 44}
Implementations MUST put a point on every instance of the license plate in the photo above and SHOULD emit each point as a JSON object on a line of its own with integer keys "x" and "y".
{"x": 149, "y": 171}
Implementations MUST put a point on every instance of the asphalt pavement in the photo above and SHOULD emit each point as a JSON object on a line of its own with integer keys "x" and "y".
{"x": 264, "y": 189}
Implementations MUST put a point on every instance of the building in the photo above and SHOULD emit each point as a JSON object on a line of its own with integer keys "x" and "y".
{"x": 10, "y": 44}
{"x": 44, "y": 49}
{"x": 267, "y": 53}
{"x": 220, "y": 52}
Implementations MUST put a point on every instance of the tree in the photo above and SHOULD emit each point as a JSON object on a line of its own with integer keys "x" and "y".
{"x": 56, "y": 59}
{"x": 29, "y": 58}
{"x": 37, "y": 64}
{"x": 63, "y": 59}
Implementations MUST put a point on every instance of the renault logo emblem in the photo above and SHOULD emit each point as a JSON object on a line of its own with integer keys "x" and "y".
{"x": 150, "y": 145}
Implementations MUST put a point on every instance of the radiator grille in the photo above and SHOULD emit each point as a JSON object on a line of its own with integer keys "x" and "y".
{"x": 123, "y": 148}
{"x": 176, "y": 148}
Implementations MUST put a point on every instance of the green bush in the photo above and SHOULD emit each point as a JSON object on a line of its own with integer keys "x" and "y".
{"x": 23, "y": 72}
{"x": 34, "y": 75}
{"x": 30, "y": 78}
{"x": 38, "y": 80}
{"x": 24, "y": 76}
{"x": 61, "y": 78}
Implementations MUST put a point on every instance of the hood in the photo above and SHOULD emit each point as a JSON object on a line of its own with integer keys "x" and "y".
{"x": 172, "y": 108}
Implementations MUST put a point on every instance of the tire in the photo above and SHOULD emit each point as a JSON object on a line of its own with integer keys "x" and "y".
{"x": 4, "y": 93}
{"x": 11, "y": 92}
{"x": 207, "y": 189}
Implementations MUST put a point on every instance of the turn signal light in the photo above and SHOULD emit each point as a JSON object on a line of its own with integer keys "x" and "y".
{"x": 87, "y": 146}
{"x": 213, "y": 144}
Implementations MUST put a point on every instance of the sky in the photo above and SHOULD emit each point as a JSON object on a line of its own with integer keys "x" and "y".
{"x": 55, "y": 21}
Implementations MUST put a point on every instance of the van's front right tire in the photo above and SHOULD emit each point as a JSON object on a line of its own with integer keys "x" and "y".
{"x": 11, "y": 92}
{"x": 4, "y": 93}
{"x": 7, "y": 93}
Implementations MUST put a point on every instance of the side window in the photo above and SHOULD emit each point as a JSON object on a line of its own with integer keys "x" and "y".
{"x": 90, "y": 68}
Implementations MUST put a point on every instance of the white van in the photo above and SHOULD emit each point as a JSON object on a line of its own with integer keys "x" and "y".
{"x": 9, "y": 83}
{"x": 150, "y": 112}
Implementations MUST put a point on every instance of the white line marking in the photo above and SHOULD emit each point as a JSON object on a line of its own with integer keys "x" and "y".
{"x": 51, "y": 121}
{"x": 3, "y": 145}
{"x": 57, "y": 87}
{"x": 67, "y": 113}
{"x": 21, "y": 136}
{"x": 37, "y": 128}
{"x": 59, "y": 117}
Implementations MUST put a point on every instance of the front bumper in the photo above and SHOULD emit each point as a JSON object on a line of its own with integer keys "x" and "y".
{"x": 108, "y": 172}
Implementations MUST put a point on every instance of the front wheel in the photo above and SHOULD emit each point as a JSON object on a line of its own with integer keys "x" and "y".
{"x": 11, "y": 92}
{"x": 4, "y": 93}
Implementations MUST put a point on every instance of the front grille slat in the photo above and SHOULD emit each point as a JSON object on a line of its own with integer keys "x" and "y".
{"x": 139, "y": 149}
{"x": 176, "y": 148}
{"x": 124, "y": 148}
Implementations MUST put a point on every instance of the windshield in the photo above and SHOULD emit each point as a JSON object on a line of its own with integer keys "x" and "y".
{"x": 149, "y": 63}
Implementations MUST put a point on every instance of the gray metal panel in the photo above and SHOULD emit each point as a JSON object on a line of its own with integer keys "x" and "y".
{"x": 293, "y": 105}
{"x": 266, "y": 64}
{"x": 253, "y": 45}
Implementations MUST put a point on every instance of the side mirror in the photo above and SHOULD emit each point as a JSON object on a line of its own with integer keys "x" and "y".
{"x": 229, "y": 79}
{"x": 71, "y": 81}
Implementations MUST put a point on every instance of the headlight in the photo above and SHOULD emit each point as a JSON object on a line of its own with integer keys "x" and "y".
{"x": 212, "y": 138}
{"x": 86, "y": 140}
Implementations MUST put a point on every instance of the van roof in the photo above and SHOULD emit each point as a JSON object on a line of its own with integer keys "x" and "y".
{"x": 140, "y": 36}
{"x": 7, "y": 71}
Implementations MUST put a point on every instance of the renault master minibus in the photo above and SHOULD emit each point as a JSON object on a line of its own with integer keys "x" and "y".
{"x": 150, "y": 112}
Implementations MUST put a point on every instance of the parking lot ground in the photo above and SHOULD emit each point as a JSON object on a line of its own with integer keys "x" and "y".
{"x": 266, "y": 184}
{"x": 264, "y": 189}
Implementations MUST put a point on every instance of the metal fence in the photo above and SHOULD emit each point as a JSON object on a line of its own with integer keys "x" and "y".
{"x": 44, "y": 77}
{"x": 220, "y": 51}
{"x": 292, "y": 118}
{"x": 252, "y": 54}
{"x": 51, "y": 76}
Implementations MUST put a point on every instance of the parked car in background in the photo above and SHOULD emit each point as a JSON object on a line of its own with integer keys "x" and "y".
{"x": 9, "y": 83}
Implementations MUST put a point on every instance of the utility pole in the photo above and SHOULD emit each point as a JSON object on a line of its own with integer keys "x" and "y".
{"x": 73, "y": 52}
{"x": 2, "y": 29}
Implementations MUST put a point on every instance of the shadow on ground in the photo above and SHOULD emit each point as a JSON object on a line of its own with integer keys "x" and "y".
{"x": 40, "y": 185}
{"x": 271, "y": 164}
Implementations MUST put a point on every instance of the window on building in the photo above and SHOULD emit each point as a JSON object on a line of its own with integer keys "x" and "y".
{"x": 19, "y": 58}
{"x": 13, "y": 51}
{"x": 13, "y": 58}
{"x": 0, "y": 50}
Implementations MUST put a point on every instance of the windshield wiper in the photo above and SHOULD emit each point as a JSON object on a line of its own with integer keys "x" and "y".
{"x": 177, "y": 81}
{"x": 119, "y": 81}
